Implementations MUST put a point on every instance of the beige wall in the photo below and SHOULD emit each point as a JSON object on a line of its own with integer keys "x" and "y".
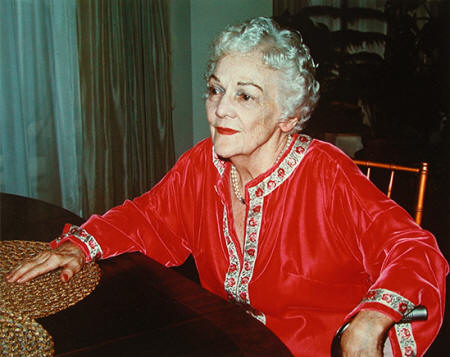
{"x": 194, "y": 24}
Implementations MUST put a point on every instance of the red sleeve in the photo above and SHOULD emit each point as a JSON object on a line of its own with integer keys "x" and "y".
{"x": 402, "y": 261}
{"x": 153, "y": 223}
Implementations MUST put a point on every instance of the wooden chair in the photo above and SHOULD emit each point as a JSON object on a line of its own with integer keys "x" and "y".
{"x": 422, "y": 171}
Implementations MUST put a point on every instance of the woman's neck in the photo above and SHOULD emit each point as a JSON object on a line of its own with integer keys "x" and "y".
{"x": 250, "y": 166}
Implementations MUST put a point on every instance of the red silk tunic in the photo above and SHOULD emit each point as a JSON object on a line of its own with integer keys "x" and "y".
{"x": 321, "y": 243}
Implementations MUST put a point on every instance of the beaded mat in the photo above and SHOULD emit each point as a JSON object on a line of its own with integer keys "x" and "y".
{"x": 46, "y": 294}
{"x": 22, "y": 336}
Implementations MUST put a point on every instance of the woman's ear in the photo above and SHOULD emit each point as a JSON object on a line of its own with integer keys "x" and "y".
{"x": 287, "y": 125}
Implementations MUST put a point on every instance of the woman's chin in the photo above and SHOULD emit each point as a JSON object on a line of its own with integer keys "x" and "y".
{"x": 223, "y": 147}
{"x": 229, "y": 146}
{"x": 223, "y": 154}
{"x": 224, "y": 151}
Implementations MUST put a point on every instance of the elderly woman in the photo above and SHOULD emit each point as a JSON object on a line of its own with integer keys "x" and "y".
{"x": 276, "y": 221}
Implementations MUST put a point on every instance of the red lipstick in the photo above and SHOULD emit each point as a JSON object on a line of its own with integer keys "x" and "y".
{"x": 226, "y": 131}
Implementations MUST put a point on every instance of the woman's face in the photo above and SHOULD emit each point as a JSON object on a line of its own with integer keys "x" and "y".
{"x": 241, "y": 107}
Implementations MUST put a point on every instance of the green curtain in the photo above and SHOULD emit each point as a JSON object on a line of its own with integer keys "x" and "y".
{"x": 126, "y": 99}
{"x": 40, "y": 123}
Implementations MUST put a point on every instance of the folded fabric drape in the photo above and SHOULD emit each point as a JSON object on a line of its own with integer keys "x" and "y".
{"x": 125, "y": 95}
{"x": 40, "y": 101}
{"x": 85, "y": 114}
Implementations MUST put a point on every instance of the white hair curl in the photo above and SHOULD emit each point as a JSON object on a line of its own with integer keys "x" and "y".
{"x": 282, "y": 50}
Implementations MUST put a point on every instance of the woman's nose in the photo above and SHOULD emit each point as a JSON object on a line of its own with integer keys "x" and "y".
{"x": 225, "y": 107}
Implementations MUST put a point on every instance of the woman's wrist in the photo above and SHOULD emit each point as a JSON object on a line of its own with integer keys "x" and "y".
{"x": 366, "y": 332}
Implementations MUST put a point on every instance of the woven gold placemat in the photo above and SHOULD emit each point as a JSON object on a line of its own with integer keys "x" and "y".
{"x": 46, "y": 294}
{"x": 22, "y": 336}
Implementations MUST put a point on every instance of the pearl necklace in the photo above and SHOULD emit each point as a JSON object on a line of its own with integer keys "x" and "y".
{"x": 234, "y": 182}
{"x": 233, "y": 173}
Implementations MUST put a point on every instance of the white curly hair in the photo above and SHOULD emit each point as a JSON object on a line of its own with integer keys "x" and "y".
{"x": 282, "y": 50}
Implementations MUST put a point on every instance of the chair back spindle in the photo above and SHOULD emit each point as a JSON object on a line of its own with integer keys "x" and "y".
{"x": 421, "y": 194}
{"x": 391, "y": 183}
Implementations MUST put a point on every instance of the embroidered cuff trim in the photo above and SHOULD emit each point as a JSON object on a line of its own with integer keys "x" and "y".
{"x": 95, "y": 252}
{"x": 406, "y": 340}
{"x": 402, "y": 306}
{"x": 390, "y": 299}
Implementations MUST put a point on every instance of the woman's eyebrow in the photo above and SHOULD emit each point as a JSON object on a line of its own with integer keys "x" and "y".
{"x": 212, "y": 76}
{"x": 250, "y": 84}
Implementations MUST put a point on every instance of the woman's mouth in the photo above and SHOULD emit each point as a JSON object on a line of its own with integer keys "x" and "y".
{"x": 226, "y": 131}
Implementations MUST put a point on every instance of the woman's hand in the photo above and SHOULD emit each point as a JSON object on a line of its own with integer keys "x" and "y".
{"x": 67, "y": 256}
{"x": 366, "y": 334}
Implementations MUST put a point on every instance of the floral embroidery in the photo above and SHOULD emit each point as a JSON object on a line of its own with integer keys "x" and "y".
{"x": 404, "y": 332}
{"x": 237, "y": 280}
{"x": 285, "y": 169}
{"x": 406, "y": 340}
{"x": 95, "y": 252}
{"x": 299, "y": 150}
{"x": 257, "y": 209}
{"x": 390, "y": 299}
{"x": 402, "y": 306}
{"x": 291, "y": 162}
{"x": 251, "y": 252}
{"x": 232, "y": 274}
{"x": 231, "y": 282}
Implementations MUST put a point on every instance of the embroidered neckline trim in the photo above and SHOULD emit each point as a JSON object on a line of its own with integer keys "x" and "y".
{"x": 221, "y": 165}
{"x": 237, "y": 278}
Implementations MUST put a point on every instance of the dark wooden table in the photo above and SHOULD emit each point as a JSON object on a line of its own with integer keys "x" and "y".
{"x": 139, "y": 308}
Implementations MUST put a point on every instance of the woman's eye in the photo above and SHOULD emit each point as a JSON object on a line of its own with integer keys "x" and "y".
{"x": 245, "y": 97}
{"x": 213, "y": 90}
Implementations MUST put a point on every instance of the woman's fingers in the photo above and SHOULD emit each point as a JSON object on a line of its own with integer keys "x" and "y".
{"x": 68, "y": 256}
{"x": 70, "y": 269}
{"x": 25, "y": 266}
{"x": 39, "y": 269}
